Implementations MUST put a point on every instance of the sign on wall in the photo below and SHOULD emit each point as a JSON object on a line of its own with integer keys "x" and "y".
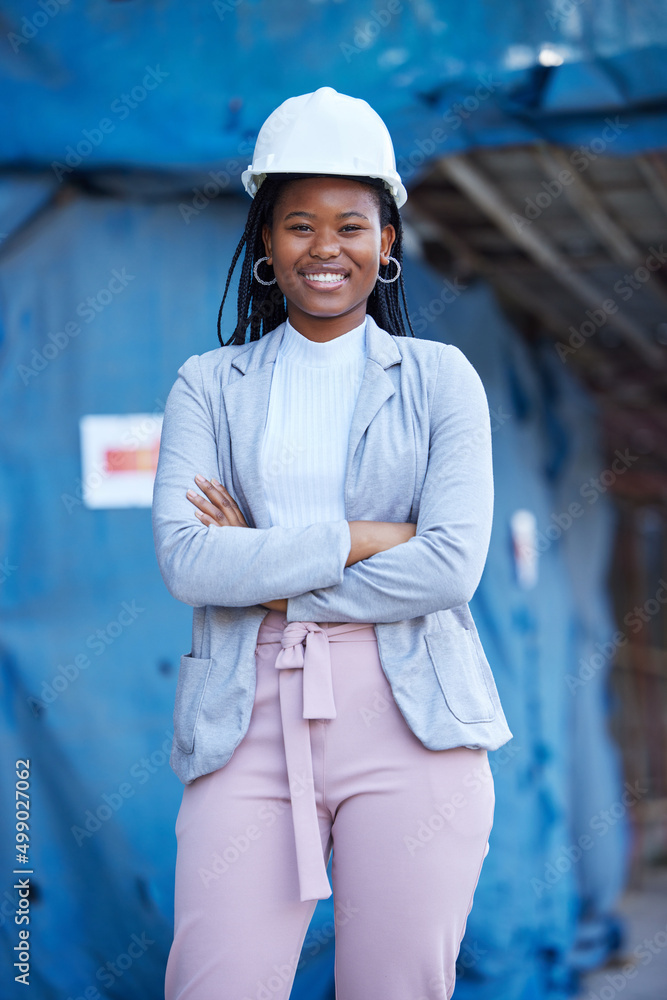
{"x": 119, "y": 458}
{"x": 523, "y": 529}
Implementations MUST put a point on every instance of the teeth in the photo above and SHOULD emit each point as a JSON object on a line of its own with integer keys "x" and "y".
{"x": 324, "y": 277}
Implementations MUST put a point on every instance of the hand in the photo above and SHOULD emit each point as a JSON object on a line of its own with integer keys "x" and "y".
{"x": 279, "y": 604}
{"x": 370, "y": 537}
{"x": 219, "y": 508}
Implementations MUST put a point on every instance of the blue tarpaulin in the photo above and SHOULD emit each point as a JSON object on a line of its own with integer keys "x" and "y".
{"x": 187, "y": 86}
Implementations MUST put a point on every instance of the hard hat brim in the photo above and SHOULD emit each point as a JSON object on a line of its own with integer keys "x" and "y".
{"x": 252, "y": 180}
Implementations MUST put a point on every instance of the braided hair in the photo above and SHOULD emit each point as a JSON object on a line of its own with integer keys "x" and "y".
{"x": 264, "y": 308}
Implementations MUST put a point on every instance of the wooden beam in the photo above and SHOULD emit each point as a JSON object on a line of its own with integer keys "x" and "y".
{"x": 470, "y": 179}
{"x": 585, "y": 201}
{"x": 429, "y": 228}
{"x": 645, "y": 487}
{"x": 654, "y": 172}
{"x": 506, "y": 285}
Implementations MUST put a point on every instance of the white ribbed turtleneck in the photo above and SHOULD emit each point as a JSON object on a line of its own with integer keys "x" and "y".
{"x": 314, "y": 389}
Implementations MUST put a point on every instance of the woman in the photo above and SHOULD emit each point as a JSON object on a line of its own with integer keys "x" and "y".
{"x": 337, "y": 692}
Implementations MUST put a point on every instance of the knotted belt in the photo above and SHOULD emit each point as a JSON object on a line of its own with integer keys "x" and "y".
{"x": 306, "y": 692}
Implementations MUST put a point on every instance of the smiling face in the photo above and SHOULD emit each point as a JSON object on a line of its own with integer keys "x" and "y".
{"x": 326, "y": 245}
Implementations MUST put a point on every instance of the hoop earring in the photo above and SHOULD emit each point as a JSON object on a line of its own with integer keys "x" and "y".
{"x": 389, "y": 281}
{"x": 254, "y": 271}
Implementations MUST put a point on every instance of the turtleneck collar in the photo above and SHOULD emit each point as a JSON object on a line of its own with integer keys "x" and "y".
{"x": 298, "y": 349}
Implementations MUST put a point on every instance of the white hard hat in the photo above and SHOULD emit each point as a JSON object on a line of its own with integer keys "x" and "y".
{"x": 325, "y": 133}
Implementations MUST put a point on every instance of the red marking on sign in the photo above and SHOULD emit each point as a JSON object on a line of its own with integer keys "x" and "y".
{"x": 132, "y": 459}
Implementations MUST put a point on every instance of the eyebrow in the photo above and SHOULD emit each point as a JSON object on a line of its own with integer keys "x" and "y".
{"x": 341, "y": 215}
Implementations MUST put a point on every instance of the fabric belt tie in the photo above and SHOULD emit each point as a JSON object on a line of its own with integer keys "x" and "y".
{"x": 306, "y": 692}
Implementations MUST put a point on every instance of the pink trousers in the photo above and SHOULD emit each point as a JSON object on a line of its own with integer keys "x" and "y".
{"x": 328, "y": 762}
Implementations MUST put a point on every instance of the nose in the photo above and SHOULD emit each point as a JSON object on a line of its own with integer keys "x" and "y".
{"x": 325, "y": 245}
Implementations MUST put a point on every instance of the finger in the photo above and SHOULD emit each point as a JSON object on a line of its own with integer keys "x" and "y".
{"x": 219, "y": 496}
{"x": 206, "y": 507}
{"x": 228, "y": 498}
{"x": 222, "y": 501}
{"x": 222, "y": 505}
{"x": 218, "y": 505}
{"x": 206, "y": 520}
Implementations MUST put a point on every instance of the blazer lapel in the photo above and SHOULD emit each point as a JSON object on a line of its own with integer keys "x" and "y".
{"x": 246, "y": 402}
{"x": 375, "y": 389}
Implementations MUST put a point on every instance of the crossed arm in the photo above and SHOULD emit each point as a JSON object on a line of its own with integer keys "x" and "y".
{"x": 337, "y": 570}
{"x": 217, "y": 507}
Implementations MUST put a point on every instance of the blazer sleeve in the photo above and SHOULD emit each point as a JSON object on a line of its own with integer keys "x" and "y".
{"x": 227, "y": 566}
{"x": 442, "y": 565}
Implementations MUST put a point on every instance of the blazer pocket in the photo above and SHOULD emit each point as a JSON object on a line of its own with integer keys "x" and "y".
{"x": 460, "y": 674}
{"x": 192, "y": 677}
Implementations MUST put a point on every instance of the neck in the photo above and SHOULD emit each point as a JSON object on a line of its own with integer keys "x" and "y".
{"x": 324, "y": 328}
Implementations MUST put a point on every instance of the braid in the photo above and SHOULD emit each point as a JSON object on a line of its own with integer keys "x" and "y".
{"x": 256, "y": 303}
{"x": 384, "y": 303}
{"x": 263, "y": 308}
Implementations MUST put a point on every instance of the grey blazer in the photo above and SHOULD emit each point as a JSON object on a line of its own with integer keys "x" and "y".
{"x": 419, "y": 451}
